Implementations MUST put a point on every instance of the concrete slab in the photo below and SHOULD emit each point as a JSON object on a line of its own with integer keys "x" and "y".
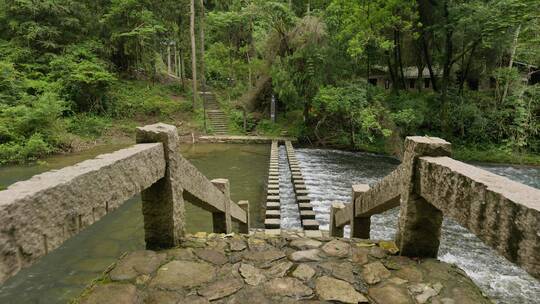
{"x": 273, "y": 214}
{"x": 303, "y": 199}
{"x": 307, "y": 214}
{"x": 272, "y": 198}
{"x": 272, "y": 223}
{"x": 310, "y": 224}
{"x": 273, "y": 206}
{"x": 305, "y": 206}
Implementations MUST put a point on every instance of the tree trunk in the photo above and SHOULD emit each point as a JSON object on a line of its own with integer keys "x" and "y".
{"x": 193, "y": 53}
{"x": 432, "y": 76}
{"x": 182, "y": 69}
{"x": 400, "y": 60}
{"x": 511, "y": 62}
{"x": 202, "y": 72}
{"x": 168, "y": 58}
{"x": 448, "y": 54}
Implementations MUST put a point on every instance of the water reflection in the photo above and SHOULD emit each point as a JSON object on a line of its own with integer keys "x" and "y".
{"x": 61, "y": 275}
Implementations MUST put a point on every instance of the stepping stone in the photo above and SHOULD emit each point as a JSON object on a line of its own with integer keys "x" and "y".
{"x": 297, "y": 177}
{"x": 273, "y": 192}
{"x": 307, "y": 214}
{"x": 303, "y": 199}
{"x": 272, "y": 223}
{"x": 305, "y": 206}
{"x": 272, "y": 198}
{"x": 299, "y": 186}
{"x": 273, "y": 214}
{"x": 273, "y": 206}
{"x": 302, "y": 192}
{"x": 273, "y": 186}
{"x": 310, "y": 224}
{"x": 273, "y": 179}
{"x": 273, "y": 173}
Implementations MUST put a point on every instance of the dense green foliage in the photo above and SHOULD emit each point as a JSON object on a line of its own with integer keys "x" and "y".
{"x": 64, "y": 65}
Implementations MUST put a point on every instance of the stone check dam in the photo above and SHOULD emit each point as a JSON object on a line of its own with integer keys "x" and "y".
{"x": 290, "y": 258}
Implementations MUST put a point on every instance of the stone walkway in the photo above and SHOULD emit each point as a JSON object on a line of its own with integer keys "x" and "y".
{"x": 290, "y": 268}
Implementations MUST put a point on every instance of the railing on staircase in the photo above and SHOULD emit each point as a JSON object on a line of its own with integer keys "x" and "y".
{"x": 429, "y": 184}
{"x": 38, "y": 215}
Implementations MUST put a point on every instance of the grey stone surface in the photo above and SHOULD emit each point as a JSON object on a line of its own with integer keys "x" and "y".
{"x": 304, "y": 244}
{"x": 331, "y": 289}
{"x": 221, "y": 289}
{"x": 287, "y": 287}
{"x": 261, "y": 274}
{"x": 252, "y": 275}
{"x": 336, "y": 248}
{"x": 375, "y": 272}
{"x": 310, "y": 255}
{"x": 114, "y": 293}
{"x": 176, "y": 275}
{"x": 304, "y": 272}
{"x": 137, "y": 263}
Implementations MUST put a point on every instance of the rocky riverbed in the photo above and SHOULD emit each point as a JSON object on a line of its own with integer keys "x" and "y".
{"x": 290, "y": 268}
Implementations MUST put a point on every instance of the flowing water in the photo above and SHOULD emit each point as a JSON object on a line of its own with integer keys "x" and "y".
{"x": 290, "y": 216}
{"x": 61, "y": 275}
{"x": 329, "y": 175}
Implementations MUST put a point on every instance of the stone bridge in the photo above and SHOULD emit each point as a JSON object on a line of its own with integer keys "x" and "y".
{"x": 38, "y": 215}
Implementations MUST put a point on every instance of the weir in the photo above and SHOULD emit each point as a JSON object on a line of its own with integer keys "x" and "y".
{"x": 37, "y": 215}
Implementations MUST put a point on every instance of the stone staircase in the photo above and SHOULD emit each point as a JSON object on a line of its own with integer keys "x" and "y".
{"x": 217, "y": 119}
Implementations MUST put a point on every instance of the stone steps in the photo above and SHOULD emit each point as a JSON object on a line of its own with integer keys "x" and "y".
{"x": 217, "y": 119}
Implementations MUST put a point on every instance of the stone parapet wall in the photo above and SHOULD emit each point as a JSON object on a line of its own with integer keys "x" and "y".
{"x": 238, "y": 139}
{"x": 39, "y": 214}
{"x": 503, "y": 213}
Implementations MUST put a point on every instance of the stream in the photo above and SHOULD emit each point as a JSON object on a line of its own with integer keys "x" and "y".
{"x": 329, "y": 174}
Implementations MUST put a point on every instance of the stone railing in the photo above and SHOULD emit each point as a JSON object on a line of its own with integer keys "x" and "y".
{"x": 38, "y": 215}
{"x": 429, "y": 184}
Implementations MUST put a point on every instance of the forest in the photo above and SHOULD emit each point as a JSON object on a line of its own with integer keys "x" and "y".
{"x": 358, "y": 75}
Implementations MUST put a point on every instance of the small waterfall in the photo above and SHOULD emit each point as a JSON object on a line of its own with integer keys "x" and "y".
{"x": 290, "y": 216}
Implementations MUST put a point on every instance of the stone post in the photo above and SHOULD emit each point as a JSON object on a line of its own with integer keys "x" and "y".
{"x": 419, "y": 227}
{"x": 360, "y": 226}
{"x": 163, "y": 203}
{"x": 334, "y": 230}
{"x": 222, "y": 220}
{"x": 244, "y": 228}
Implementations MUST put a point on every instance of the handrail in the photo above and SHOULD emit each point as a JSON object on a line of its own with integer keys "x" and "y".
{"x": 429, "y": 184}
{"x": 39, "y": 214}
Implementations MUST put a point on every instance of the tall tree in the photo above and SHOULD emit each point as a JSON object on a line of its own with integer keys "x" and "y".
{"x": 193, "y": 53}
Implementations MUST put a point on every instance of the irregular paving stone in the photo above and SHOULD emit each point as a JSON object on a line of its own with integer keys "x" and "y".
{"x": 193, "y": 299}
{"x": 303, "y": 244}
{"x": 252, "y": 275}
{"x": 237, "y": 245}
{"x": 229, "y": 271}
{"x": 264, "y": 256}
{"x": 219, "y": 245}
{"x": 162, "y": 297}
{"x": 397, "y": 281}
{"x": 359, "y": 256}
{"x": 249, "y": 295}
{"x": 279, "y": 270}
{"x": 377, "y": 252}
{"x": 397, "y": 262}
{"x": 375, "y": 272}
{"x": 256, "y": 244}
{"x": 114, "y": 293}
{"x": 287, "y": 287}
{"x": 212, "y": 256}
{"x": 389, "y": 294}
{"x": 221, "y": 289}
{"x": 136, "y": 263}
{"x": 331, "y": 289}
{"x": 342, "y": 271}
{"x": 311, "y": 255}
{"x": 176, "y": 275}
{"x": 410, "y": 274}
{"x": 304, "y": 272}
{"x": 423, "y": 292}
{"x": 185, "y": 254}
{"x": 336, "y": 248}
{"x": 389, "y": 246}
